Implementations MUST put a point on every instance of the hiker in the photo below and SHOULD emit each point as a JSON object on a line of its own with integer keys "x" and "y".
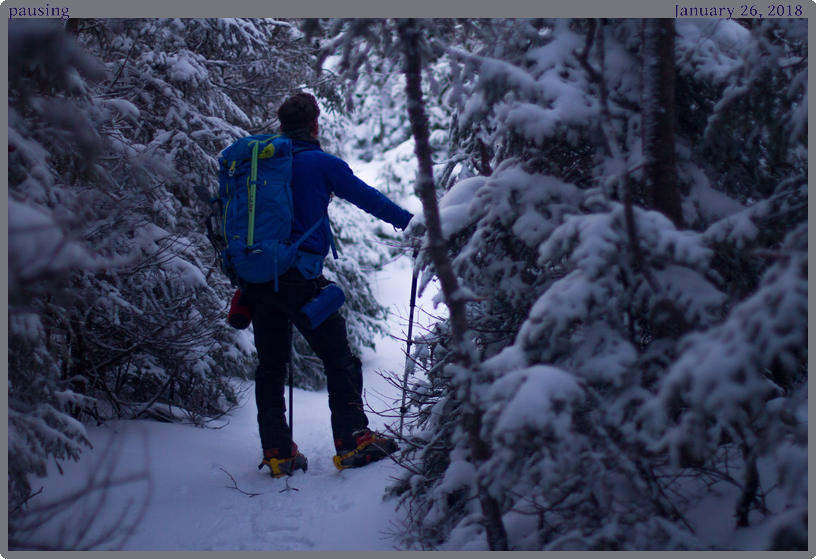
{"x": 316, "y": 177}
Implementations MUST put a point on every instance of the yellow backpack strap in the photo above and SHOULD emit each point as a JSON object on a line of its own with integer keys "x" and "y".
{"x": 253, "y": 182}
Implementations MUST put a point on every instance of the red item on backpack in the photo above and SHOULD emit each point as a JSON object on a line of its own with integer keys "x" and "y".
{"x": 239, "y": 315}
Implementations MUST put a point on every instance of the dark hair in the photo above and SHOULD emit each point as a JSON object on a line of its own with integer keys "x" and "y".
{"x": 299, "y": 111}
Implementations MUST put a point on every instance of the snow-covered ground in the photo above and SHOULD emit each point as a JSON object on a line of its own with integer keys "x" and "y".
{"x": 158, "y": 486}
{"x": 176, "y": 487}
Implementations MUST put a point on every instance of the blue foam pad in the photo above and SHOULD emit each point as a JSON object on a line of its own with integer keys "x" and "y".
{"x": 330, "y": 299}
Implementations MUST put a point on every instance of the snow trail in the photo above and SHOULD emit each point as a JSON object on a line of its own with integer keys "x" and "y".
{"x": 203, "y": 490}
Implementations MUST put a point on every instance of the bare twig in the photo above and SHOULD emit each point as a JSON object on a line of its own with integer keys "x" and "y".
{"x": 15, "y": 509}
{"x": 88, "y": 523}
{"x": 235, "y": 485}
{"x": 287, "y": 488}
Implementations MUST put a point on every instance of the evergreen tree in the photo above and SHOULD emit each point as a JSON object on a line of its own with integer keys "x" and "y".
{"x": 601, "y": 326}
{"x": 115, "y": 308}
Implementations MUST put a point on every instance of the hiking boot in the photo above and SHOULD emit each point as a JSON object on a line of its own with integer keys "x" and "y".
{"x": 363, "y": 447}
{"x": 286, "y": 466}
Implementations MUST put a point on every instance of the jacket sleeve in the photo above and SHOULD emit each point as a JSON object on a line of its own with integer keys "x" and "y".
{"x": 346, "y": 185}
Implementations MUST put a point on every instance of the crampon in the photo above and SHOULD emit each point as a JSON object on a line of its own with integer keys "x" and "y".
{"x": 371, "y": 447}
{"x": 286, "y": 466}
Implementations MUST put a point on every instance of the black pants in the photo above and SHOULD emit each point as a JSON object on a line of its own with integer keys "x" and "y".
{"x": 271, "y": 314}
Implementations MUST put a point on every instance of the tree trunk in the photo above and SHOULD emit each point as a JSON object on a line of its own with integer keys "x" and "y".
{"x": 662, "y": 190}
{"x": 750, "y": 488}
{"x": 409, "y": 33}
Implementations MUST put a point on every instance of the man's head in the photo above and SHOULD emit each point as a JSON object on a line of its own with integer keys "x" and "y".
{"x": 298, "y": 112}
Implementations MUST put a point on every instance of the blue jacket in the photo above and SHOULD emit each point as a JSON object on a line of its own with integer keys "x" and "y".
{"x": 315, "y": 176}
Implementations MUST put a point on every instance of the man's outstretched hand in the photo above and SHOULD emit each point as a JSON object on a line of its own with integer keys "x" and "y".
{"x": 414, "y": 232}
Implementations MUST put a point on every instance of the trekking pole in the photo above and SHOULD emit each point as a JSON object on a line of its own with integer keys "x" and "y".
{"x": 403, "y": 409}
{"x": 291, "y": 384}
{"x": 291, "y": 398}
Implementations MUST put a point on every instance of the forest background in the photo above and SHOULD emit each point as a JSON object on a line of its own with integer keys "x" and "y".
{"x": 616, "y": 211}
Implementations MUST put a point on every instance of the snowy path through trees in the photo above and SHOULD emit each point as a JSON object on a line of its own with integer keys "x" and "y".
{"x": 639, "y": 373}
{"x": 191, "y": 503}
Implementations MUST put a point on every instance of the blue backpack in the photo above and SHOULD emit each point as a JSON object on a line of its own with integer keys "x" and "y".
{"x": 255, "y": 195}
